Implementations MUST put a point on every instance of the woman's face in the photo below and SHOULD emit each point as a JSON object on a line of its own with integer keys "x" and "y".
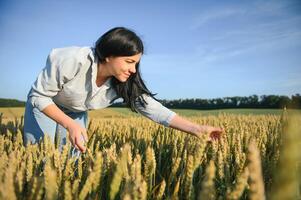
{"x": 122, "y": 67}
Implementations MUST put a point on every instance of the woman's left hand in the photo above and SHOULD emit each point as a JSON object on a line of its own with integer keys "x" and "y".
{"x": 214, "y": 132}
{"x": 185, "y": 125}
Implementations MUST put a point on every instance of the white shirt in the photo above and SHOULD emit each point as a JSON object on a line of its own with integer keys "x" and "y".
{"x": 69, "y": 80}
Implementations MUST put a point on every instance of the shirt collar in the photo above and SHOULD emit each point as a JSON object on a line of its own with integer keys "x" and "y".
{"x": 108, "y": 83}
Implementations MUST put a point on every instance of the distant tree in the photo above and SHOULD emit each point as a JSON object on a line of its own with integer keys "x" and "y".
{"x": 11, "y": 103}
{"x": 296, "y": 101}
{"x": 253, "y": 101}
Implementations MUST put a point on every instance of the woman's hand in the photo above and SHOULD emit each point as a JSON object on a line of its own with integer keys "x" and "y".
{"x": 214, "y": 132}
{"x": 187, "y": 126}
{"x": 77, "y": 136}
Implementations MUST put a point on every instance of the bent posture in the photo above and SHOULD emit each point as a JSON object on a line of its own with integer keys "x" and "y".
{"x": 78, "y": 79}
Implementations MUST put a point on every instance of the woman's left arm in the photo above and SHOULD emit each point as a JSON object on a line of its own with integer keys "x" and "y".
{"x": 182, "y": 124}
{"x": 155, "y": 111}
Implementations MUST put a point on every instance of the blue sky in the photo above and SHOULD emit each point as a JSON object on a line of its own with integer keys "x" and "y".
{"x": 194, "y": 49}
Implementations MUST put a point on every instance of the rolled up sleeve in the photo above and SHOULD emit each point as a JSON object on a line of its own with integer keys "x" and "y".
{"x": 48, "y": 83}
{"x": 155, "y": 111}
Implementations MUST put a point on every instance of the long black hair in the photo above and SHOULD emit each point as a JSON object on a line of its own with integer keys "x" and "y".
{"x": 121, "y": 41}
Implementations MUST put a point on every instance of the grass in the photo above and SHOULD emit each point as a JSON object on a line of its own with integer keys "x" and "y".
{"x": 12, "y": 112}
{"x": 189, "y": 112}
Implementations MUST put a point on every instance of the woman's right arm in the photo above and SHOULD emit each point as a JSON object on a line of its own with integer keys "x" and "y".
{"x": 76, "y": 132}
{"x": 60, "y": 67}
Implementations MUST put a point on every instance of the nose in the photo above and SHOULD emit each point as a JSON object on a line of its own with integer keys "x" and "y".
{"x": 133, "y": 69}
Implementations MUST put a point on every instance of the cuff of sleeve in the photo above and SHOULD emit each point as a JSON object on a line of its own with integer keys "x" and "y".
{"x": 40, "y": 103}
{"x": 166, "y": 123}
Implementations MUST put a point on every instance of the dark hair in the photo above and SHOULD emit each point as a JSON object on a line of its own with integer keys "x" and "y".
{"x": 121, "y": 41}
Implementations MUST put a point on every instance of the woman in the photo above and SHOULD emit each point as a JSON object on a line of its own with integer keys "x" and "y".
{"x": 78, "y": 79}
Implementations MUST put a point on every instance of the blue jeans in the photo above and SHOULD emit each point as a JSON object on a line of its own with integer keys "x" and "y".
{"x": 36, "y": 124}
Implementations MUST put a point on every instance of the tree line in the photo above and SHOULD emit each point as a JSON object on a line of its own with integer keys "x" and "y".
{"x": 11, "y": 103}
{"x": 253, "y": 101}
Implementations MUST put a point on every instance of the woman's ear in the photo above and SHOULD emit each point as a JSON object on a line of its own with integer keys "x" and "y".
{"x": 110, "y": 58}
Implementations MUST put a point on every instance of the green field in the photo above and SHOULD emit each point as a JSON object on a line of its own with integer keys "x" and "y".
{"x": 13, "y": 112}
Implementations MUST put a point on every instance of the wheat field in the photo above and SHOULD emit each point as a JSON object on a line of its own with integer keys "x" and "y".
{"x": 131, "y": 157}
